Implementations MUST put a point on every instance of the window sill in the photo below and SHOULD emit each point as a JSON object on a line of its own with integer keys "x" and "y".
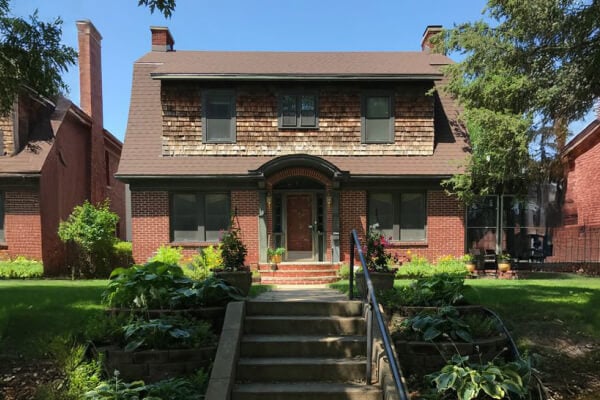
{"x": 397, "y": 243}
{"x": 192, "y": 244}
{"x": 298, "y": 128}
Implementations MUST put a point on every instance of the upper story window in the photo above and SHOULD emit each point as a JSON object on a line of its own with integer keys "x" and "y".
{"x": 298, "y": 111}
{"x": 377, "y": 117}
{"x": 199, "y": 217}
{"x": 218, "y": 116}
{"x": 401, "y": 216}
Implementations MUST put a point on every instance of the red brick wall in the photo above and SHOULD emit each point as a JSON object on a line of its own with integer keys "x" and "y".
{"x": 245, "y": 205}
{"x": 583, "y": 186}
{"x": 353, "y": 215}
{"x": 150, "y": 223}
{"x": 445, "y": 225}
{"x": 116, "y": 190}
{"x": 22, "y": 224}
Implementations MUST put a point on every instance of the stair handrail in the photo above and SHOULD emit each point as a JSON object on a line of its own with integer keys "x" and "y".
{"x": 373, "y": 308}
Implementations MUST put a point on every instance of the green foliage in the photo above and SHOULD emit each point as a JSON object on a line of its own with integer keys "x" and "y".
{"x": 32, "y": 57}
{"x": 21, "y": 268}
{"x": 481, "y": 326}
{"x": 123, "y": 254}
{"x": 420, "y": 267}
{"x": 166, "y": 7}
{"x": 344, "y": 271}
{"x": 445, "y": 323}
{"x": 467, "y": 380}
{"x": 375, "y": 255}
{"x": 530, "y": 64}
{"x": 116, "y": 389}
{"x": 204, "y": 263}
{"x": 92, "y": 229}
{"x": 167, "y": 333}
{"x": 279, "y": 251}
{"x": 168, "y": 255}
{"x": 431, "y": 291}
{"x": 156, "y": 285}
{"x": 233, "y": 250}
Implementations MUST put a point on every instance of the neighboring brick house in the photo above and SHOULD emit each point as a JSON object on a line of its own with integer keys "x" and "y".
{"x": 301, "y": 146}
{"x": 55, "y": 156}
{"x": 578, "y": 239}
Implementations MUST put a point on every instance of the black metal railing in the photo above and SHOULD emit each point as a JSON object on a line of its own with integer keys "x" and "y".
{"x": 373, "y": 312}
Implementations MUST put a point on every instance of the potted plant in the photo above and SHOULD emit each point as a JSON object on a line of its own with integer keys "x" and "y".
{"x": 378, "y": 260}
{"x": 276, "y": 255}
{"x": 469, "y": 261}
{"x": 233, "y": 253}
{"x": 504, "y": 262}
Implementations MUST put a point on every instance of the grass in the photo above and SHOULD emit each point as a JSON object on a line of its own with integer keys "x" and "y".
{"x": 32, "y": 313}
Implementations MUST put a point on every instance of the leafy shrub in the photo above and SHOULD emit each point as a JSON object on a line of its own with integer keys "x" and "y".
{"x": 465, "y": 381}
{"x": 204, "y": 263}
{"x": 233, "y": 250}
{"x": 167, "y": 333}
{"x": 92, "y": 229}
{"x": 192, "y": 388}
{"x": 168, "y": 255}
{"x": 157, "y": 285}
{"x": 344, "y": 271}
{"x": 444, "y": 323}
{"x": 432, "y": 291}
{"x": 123, "y": 254}
{"x": 21, "y": 268}
{"x": 420, "y": 267}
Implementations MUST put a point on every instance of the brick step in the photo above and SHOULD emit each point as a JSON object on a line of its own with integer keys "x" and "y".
{"x": 304, "y": 325}
{"x": 298, "y": 273}
{"x": 319, "y": 280}
{"x": 306, "y": 391}
{"x": 305, "y": 308}
{"x": 300, "y": 267}
{"x": 301, "y": 369}
{"x": 259, "y": 346}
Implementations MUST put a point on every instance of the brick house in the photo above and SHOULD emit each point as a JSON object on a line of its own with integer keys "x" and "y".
{"x": 301, "y": 147}
{"x": 55, "y": 155}
{"x": 577, "y": 238}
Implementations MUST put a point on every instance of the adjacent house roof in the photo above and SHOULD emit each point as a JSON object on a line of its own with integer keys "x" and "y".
{"x": 584, "y": 140}
{"x": 142, "y": 157}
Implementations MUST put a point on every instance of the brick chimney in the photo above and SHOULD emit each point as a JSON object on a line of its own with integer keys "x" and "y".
{"x": 90, "y": 98}
{"x": 430, "y": 31}
{"x": 161, "y": 38}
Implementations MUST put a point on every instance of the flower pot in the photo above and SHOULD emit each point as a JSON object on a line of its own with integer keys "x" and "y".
{"x": 504, "y": 266}
{"x": 381, "y": 281}
{"x": 276, "y": 259}
{"x": 470, "y": 267}
{"x": 239, "y": 279}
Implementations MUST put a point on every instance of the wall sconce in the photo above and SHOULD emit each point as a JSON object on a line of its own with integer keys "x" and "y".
{"x": 269, "y": 199}
{"x": 328, "y": 199}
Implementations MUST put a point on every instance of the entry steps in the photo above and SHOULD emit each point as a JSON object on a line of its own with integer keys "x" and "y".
{"x": 298, "y": 273}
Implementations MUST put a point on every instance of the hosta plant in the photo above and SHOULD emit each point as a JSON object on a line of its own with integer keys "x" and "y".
{"x": 463, "y": 380}
{"x": 445, "y": 323}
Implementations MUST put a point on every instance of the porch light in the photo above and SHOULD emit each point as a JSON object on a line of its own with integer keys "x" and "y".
{"x": 328, "y": 199}
{"x": 269, "y": 199}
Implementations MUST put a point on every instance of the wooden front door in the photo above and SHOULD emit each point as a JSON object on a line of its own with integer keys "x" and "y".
{"x": 299, "y": 220}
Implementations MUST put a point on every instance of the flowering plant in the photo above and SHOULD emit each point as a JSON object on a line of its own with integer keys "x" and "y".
{"x": 233, "y": 250}
{"x": 376, "y": 257}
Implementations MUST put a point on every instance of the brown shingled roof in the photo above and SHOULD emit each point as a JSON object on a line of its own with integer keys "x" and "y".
{"x": 142, "y": 157}
{"x": 356, "y": 64}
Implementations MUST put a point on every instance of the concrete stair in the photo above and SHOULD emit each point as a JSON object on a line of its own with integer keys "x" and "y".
{"x": 303, "y": 350}
{"x": 299, "y": 273}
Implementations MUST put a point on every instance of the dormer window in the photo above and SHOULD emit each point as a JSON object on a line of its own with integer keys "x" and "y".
{"x": 218, "y": 116}
{"x": 298, "y": 111}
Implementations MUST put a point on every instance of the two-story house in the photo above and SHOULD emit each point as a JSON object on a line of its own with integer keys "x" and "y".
{"x": 301, "y": 147}
{"x": 54, "y": 156}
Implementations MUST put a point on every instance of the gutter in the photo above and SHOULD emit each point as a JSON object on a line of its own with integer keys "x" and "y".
{"x": 294, "y": 77}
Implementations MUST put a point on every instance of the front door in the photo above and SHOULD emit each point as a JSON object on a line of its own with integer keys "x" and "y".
{"x": 299, "y": 224}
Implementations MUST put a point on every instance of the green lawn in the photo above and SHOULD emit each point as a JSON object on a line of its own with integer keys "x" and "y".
{"x": 34, "y": 312}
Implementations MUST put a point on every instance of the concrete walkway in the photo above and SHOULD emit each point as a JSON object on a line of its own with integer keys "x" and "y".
{"x": 301, "y": 293}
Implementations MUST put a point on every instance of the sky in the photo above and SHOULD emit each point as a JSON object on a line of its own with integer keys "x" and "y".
{"x": 292, "y": 25}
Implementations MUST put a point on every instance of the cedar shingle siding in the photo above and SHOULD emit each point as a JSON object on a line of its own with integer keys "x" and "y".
{"x": 258, "y": 134}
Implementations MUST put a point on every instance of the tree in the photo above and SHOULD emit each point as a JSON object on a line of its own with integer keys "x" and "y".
{"x": 31, "y": 56}
{"x": 521, "y": 82}
{"x": 166, "y": 7}
{"x": 92, "y": 229}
